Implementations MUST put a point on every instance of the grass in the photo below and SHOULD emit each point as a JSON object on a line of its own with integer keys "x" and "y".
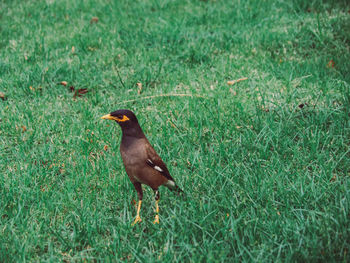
{"x": 264, "y": 163}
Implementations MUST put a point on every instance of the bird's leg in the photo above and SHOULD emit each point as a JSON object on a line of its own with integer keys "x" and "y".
{"x": 140, "y": 195}
{"x": 156, "y": 219}
{"x": 138, "y": 218}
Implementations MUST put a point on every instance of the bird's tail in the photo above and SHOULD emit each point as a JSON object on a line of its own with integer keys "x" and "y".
{"x": 178, "y": 190}
{"x": 173, "y": 187}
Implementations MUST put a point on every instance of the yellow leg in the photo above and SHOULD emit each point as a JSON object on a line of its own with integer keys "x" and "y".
{"x": 138, "y": 218}
{"x": 156, "y": 219}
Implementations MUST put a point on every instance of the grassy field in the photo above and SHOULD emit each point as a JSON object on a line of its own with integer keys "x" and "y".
{"x": 265, "y": 163}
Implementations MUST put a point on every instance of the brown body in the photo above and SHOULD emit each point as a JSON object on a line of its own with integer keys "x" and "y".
{"x": 135, "y": 157}
{"x": 142, "y": 164}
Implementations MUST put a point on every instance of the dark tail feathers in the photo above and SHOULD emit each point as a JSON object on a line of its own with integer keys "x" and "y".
{"x": 173, "y": 187}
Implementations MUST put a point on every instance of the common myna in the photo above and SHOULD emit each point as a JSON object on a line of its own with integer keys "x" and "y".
{"x": 142, "y": 164}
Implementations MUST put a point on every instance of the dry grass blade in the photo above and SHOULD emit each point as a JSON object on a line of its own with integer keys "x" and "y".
{"x": 232, "y": 82}
{"x": 139, "y": 87}
{"x": 163, "y": 95}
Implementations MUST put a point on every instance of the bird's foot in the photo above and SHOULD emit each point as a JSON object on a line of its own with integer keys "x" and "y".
{"x": 137, "y": 220}
{"x": 156, "y": 220}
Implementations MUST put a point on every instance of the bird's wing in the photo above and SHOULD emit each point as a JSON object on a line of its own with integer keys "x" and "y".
{"x": 156, "y": 162}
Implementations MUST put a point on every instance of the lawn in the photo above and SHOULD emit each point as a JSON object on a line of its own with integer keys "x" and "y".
{"x": 264, "y": 163}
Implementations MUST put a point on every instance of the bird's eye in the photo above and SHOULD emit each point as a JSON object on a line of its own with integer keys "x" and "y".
{"x": 120, "y": 117}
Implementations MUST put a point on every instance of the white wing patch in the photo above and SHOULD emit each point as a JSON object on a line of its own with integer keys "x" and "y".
{"x": 156, "y": 167}
{"x": 170, "y": 184}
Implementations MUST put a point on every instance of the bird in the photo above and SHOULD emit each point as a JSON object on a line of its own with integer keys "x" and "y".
{"x": 141, "y": 162}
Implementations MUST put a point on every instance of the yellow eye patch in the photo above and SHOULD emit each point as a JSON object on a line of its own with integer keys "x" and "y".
{"x": 110, "y": 117}
{"x": 124, "y": 119}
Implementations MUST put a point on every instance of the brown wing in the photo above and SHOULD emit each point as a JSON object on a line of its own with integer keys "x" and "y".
{"x": 156, "y": 162}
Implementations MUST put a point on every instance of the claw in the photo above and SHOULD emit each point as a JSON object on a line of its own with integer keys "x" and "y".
{"x": 156, "y": 220}
{"x": 137, "y": 220}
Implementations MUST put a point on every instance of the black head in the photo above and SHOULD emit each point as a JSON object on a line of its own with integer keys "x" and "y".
{"x": 127, "y": 121}
{"x": 121, "y": 116}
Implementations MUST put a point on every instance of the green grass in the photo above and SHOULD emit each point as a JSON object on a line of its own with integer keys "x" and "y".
{"x": 265, "y": 179}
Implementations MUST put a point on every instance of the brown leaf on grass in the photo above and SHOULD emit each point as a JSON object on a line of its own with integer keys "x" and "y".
{"x": 2, "y": 96}
{"x": 232, "y": 82}
{"x": 264, "y": 109}
{"x": 24, "y": 128}
{"x": 80, "y": 92}
{"x": 334, "y": 178}
{"x": 31, "y": 88}
{"x": 71, "y": 88}
{"x": 73, "y": 49}
{"x": 94, "y": 20}
{"x": 139, "y": 87}
{"x": 105, "y": 147}
{"x": 63, "y": 83}
{"x": 331, "y": 64}
{"x": 302, "y": 105}
{"x": 40, "y": 163}
{"x": 133, "y": 202}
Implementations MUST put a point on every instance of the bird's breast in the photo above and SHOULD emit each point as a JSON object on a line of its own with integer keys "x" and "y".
{"x": 134, "y": 156}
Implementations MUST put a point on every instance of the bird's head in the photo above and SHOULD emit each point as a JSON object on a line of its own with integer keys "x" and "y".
{"x": 123, "y": 117}
{"x": 127, "y": 121}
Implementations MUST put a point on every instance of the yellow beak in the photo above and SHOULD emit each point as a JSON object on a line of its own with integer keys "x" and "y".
{"x": 108, "y": 117}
